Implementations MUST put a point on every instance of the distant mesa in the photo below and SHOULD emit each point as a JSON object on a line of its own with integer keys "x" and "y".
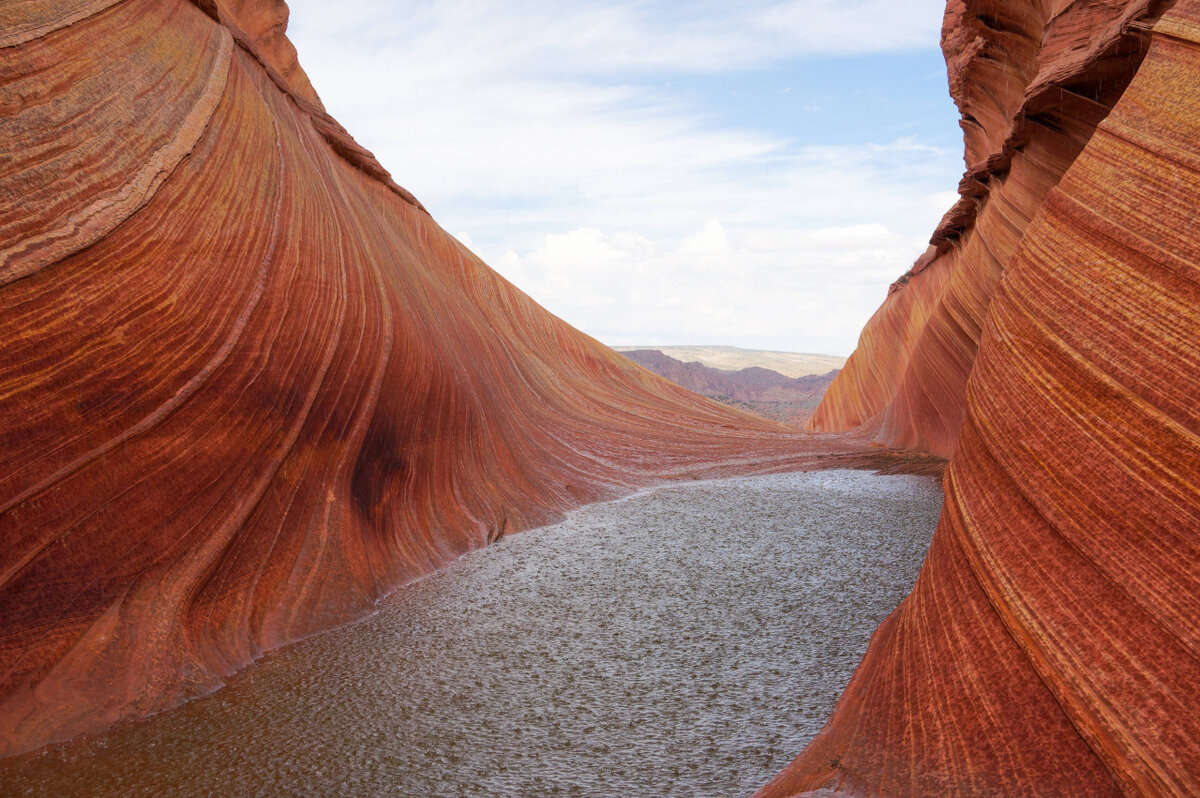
{"x": 789, "y": 400}
{"x": 732, "y": 358}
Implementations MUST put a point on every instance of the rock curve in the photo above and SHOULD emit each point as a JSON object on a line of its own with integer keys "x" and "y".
{"x": 1031, "y": 81}
{"x": 248, "y": 385}
{"x": 1051, "y": 645}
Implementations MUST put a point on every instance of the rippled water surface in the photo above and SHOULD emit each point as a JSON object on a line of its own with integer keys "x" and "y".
{"x": 685, "y": 641}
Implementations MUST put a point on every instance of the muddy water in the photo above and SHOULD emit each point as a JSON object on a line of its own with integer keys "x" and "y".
{"x": 686, "y": 641}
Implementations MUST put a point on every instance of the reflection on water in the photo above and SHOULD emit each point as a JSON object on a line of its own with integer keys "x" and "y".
{"x": 685, "y": 641}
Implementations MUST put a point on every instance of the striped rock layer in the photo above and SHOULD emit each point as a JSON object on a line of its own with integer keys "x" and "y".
{"x": 1049, "y": 341}
{"x": 247, "y": 385}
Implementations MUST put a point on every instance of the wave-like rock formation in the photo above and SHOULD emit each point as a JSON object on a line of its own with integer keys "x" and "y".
{"x": 247, "y": 384}
{"x": 1049, "y": 340}
{"x": 1032, "y": 81}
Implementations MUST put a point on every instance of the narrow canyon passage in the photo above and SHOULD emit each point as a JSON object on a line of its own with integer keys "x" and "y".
{"x": 687, "y": 640}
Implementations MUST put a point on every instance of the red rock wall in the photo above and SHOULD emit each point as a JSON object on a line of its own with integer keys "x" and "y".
{"x": 247, "y": 385}
{"x": 1051, "y": 645}
{"x": 1032, "y": 80}
{"x": 264, "y": 23}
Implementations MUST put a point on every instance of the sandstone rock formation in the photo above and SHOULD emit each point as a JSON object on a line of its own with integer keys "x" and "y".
{"x": 1032, "y": 81}
{"x": 1049, "y": 341}
{"x": 247, "y": 384}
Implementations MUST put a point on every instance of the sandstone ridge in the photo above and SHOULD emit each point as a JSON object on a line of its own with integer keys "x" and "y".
{"x": 1047, "y": 342}
{"x": 248, "y": 384}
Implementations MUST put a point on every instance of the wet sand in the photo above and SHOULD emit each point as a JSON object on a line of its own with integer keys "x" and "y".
{"x": 687, "y": 640}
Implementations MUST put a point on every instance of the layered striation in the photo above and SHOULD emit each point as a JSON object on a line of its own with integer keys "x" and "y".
{"x": 1050, "y": 340}
{"x": 247, "y": 383}
{"x": 1032, "y": 80}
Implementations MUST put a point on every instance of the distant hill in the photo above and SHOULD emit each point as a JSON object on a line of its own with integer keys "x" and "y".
{"x": 733, "y": 358}
{"x": 759, "y": 390}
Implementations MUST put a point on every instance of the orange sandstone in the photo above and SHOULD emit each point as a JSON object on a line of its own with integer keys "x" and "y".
{"x": 1049, "y": 341}
{"x": 247, "y": 384}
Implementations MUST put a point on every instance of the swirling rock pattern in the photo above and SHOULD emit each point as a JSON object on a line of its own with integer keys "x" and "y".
{"x": 1051, "y": 340}
{"x": 1032, "y": 81}
{"x": 247, "y": 384}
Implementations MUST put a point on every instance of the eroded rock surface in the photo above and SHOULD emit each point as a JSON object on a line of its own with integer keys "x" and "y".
{"x": 1049, "y": 341}
{"x": 247, "y": 384}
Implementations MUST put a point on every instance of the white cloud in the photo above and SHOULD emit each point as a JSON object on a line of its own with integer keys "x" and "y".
{"x": 534, "y": 130}
{"x": 589, "y": 37}
{"x": 711, "y": 242}
{"x": 757, "y": 286}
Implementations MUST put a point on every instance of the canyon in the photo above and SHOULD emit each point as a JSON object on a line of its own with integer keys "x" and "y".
{"x": 249, "y": 387}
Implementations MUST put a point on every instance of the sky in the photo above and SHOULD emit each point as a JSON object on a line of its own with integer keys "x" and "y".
{"x": 751, "y": 174}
